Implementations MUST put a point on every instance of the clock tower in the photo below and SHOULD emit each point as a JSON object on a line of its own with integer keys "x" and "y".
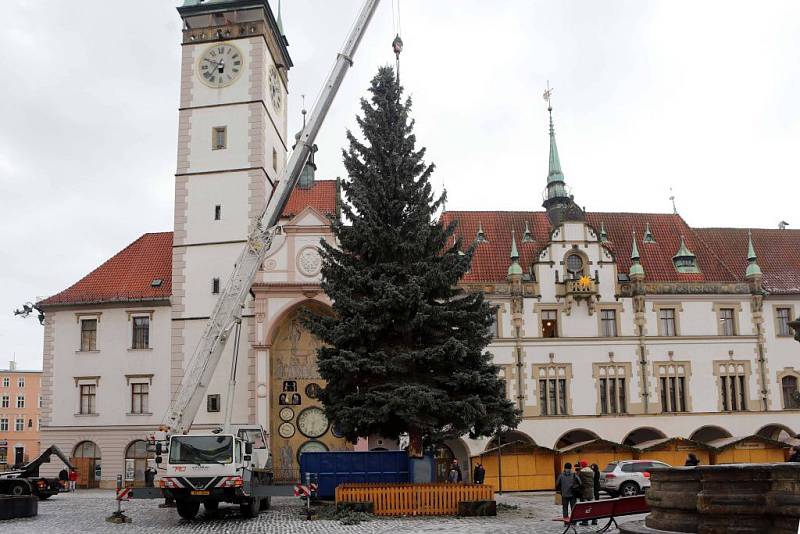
{"x": 231, "y": 148}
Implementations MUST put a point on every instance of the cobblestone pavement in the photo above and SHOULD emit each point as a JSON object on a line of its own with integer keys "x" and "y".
{"x": 85, "y": 512}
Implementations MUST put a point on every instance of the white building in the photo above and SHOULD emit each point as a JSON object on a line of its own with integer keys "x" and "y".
{"x": 677, "y": 341}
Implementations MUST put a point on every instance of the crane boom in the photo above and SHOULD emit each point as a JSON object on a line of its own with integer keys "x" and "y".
{"x": 228, "y": 309}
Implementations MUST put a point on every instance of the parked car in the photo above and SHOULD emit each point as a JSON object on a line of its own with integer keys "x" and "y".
{"x": 628, "y": 477}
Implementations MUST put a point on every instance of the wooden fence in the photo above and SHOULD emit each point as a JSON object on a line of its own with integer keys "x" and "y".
{"x": 414, "y": 499}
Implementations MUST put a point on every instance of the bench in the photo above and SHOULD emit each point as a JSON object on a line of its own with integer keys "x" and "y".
{"x": 606, "y": 509}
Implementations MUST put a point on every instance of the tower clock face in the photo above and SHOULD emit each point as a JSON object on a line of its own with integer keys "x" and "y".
{"x": 275, "y": 89}
{"x": 220, "y": 65}
{"x": 312, "y": 422}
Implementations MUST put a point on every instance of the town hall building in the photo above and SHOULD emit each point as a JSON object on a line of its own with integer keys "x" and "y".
{"x": 619, "y": 327}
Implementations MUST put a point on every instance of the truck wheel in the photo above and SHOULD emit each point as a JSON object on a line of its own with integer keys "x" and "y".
{"x": 250, "y": 507}
{"x": 211, "y": 506}
{"x": 266, "y": 502}
{"x": 18, "y": 489}
{"x": 187, "y": 509}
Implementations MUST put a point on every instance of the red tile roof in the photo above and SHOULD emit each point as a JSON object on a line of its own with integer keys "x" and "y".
{"x": 778, "y": 253}
{"x": 491, "y": 260}
{"x": 127, "y": 276}
{"x": 320, "y": 196}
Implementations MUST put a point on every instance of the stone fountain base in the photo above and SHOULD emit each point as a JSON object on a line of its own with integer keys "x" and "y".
{"x": 722, "y": 499}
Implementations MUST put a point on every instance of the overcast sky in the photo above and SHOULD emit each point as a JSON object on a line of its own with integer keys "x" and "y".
{"x": 698, "y": 96}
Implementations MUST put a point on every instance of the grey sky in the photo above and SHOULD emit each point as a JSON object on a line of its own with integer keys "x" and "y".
{"x": 700, "y": 96}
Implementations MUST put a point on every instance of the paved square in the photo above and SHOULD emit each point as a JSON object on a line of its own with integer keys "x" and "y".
{"x": 85, "y": 512}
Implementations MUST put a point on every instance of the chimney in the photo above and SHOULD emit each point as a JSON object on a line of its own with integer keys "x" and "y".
{"x": 12, "y": 365}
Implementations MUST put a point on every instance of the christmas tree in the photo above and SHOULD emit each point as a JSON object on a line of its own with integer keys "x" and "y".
{"x": 405, "y": 350}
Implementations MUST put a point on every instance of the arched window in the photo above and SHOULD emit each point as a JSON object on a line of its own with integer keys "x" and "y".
{"x": 575, "y": 266}
{"x": 136, "y": 457}
{"x": 86, "y": 458}
{"x": 791, "y": 397}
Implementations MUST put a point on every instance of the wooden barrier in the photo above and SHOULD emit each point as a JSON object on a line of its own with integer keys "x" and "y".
{"x": 414, "y": 499}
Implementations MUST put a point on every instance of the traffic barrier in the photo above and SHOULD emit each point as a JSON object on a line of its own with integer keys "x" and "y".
{"x": 414, "y": 499}
{"x": 301, "y": 490}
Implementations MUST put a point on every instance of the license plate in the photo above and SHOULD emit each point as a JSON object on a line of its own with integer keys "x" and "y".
{"x": 200, "y": 492}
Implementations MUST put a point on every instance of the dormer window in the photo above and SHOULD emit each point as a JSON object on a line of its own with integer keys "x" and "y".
{"x": 684, "y": 260}
{"x": 574, "y": 266}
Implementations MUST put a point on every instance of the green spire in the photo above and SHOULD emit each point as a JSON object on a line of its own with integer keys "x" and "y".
{"x": 554, "y": 173}
{"x": 480, "y": 237}
{"x": 636, "y": 267}
{"x": 514, "y": 268}
{"x": 603, "y": 234}
{"x": 752, "y": 267}
{"x": 280, "y": 22}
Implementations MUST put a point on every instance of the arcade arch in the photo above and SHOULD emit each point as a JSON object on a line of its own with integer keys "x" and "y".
{"x": 707, "y": 433}
{"x": 642, "y": 434}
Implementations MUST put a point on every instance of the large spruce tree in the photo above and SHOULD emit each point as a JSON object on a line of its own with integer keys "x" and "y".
{"x": 405, "y": 350}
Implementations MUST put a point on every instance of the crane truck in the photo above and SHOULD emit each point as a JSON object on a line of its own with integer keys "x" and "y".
{"x": 233, "y": 465}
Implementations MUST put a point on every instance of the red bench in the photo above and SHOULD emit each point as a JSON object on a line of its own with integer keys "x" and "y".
{"x": 606, "y": 509}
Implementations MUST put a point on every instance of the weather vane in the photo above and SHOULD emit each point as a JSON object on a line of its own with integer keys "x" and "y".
{"x": 548, "y": 93}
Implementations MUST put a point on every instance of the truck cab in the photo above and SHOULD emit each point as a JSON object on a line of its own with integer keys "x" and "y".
{"x": 212, "y": 468}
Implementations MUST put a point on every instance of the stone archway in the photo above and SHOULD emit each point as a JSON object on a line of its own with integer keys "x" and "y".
{"x": 136, "y": 456}
{"x": 86, "y": 458}
{"x": 297, "y": 421}
{"x": 578, "y": 435}
{"x": 707, "y": 433}
{"x": 643, "y": 434}
{"x": 777, "y": 432}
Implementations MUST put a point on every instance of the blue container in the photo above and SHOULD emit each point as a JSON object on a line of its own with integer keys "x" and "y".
{"x": 330, "y": 469}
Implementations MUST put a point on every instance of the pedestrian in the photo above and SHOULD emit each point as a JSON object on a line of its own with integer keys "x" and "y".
{"x": 795, "y": 456}
{"x": 455, "y": 472}
{"x": 149, "y": 476}
{"x": 478, "y": 474}
{"x": 596, "y": 471}
{"x": 692, "y": 460}
{"x": 73, "y": 478}
{"x": 63, "y": 478}
{"x": 568, "y": 485}
{"x": 586, "y": 476}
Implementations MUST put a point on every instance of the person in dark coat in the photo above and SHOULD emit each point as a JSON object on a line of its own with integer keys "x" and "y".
{"x": 568, "y": 485}
{"x": 478, "y": 474}
{"x": 795, "y": 456}
{"x": 692, "y": 460}
{"x": 596, "y": 471}
{"x": 587, "y": 485}
{"x": 63, "y": 478}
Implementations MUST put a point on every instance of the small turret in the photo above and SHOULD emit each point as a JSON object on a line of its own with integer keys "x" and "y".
{"x": 684, "y": 260}
{"x": 637, "y": 271}
{"x": 480, "y": 237}
{"x": 753, "y": 270}
{"x": 527, "y": 237}
{"x": 515, "y": 269}
{"x": 603, "y": 234}
{"x": 648, "y": 235}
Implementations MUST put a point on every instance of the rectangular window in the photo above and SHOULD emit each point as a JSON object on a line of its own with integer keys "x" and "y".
{"x": 553, "y": 393}
{"x": 784, "y": 316}
{"x": 672, "y": 387}
{"x": 667, "y": 320}
{"x": 215, "y": 286}
{"x": 40, "y": 401}
{"x": 612, "y": 390}
{"x": 608, "y": 320}
{"x": 549, "y": 323}
{"x": 139, "y": 398}
{"x": 141, "y": 333}
{"x": 219, "y": 138}
{"x": 495, "y": 328}
{"x": 6, "y": 382}
{"x": 4, "y": 424}
{"x": 212, "y": 403}
{"x": 733, "y": 388}
{"x": 20, "y": 401}
{"x": 726, "y": 320}
{"x": 5, "y": 401}
{"x": 21, "y": 382}
{"x": 88, "y": 394}
{"x": 88, "y": 334}
{"x": 274, "y": 159}
{"x": 217, "y": 212}
{"x": 19, "y": 424}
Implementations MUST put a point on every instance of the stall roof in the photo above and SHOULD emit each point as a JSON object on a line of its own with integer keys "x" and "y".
{"x": 598, "y": 441}
{"x": 646, "y": 445}
{"x": 725, "y": 443}
{"x": 518, "y": 443}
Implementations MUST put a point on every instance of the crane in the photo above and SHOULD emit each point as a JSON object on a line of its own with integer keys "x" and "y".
{"x": 209, "y": 468}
